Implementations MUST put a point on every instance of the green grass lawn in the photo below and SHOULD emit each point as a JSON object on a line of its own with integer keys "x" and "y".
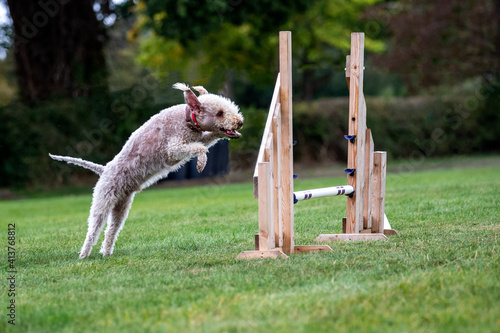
{"x": 174, "y": 266}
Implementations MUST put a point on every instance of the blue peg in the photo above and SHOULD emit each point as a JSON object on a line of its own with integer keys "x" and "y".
{"x": 350, "y": 172}
{"x": 351, "y": 138}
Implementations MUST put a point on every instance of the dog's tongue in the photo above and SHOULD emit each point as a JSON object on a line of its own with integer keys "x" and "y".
{"x": 233, "y": 133}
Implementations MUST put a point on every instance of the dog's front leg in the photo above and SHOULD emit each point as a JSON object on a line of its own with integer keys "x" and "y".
{"x": 209, "y": 138}
{"x": 200, "y": 151}
{"x": 191, "y": 150}
{"x": 202, "y": 162}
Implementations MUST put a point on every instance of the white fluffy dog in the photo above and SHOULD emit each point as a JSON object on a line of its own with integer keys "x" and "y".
{"x": 162, "y": 145}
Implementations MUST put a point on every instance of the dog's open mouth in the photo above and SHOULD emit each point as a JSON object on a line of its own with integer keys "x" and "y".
{"x": 231, "y": 133}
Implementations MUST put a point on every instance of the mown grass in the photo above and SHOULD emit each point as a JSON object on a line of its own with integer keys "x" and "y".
{"x": 174, "y": 267}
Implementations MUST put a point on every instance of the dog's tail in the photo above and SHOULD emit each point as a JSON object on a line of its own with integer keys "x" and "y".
{"x": 97, "y": 168}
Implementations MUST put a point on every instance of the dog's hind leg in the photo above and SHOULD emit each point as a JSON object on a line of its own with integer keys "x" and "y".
{"x": 98, "y": 215}
{"x": 117, "y": 219}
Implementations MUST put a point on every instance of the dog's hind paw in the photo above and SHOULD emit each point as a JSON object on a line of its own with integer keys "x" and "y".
{"x": 105, "y": 252}
{"x": 85, "y": 251}
{"x": 83, "y": 255}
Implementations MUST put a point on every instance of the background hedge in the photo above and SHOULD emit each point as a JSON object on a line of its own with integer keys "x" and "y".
{"x": 94, "y": 129}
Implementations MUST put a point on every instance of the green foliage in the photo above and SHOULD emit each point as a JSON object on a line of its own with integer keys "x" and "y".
{"x": 92, "y": 128}
{"x": 411, "y": 128}
{"x": 414, "y": 128}
{"x": 188, "y": 21}
{"x": 162, "y": 54}
{"x": 8, "y": 81}
{"x": 408, "y": 128}
{"x": 244, "y": 36}
{"x": 252, "y": 131}
{"x": 490, "y": 117}
{"x": 321, "y": 40}
{"x": 174, "y": 266}
{"x": 327, "y": 26}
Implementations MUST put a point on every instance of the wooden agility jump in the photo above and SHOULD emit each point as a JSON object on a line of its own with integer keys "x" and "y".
{"x": 273, "y": 177}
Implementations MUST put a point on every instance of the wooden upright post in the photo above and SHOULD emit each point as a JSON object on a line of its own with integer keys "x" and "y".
{"x": 365, "y": 210}
{"x": 378, "y": 204}
{"x": 286, "y": 173}
{"x": 357, "y": 126}
{"x": 276, "y": 233}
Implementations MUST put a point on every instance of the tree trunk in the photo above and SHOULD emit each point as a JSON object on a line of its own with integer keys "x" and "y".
{"x": 58, "y": 48}
{"x": 497, "y": 40}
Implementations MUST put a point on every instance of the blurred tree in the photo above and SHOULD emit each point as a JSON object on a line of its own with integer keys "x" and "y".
{"x": 243, "y": 36}
{"x": 8, "y": 87}
{"x": 211, "y": 34}
{"x": 58, "y": 47}
{"x": 123, "y": 69}
{"x": 322, "y": 39}
{"x": 441, "y": 42}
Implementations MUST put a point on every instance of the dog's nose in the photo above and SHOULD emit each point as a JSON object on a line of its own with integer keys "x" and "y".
{"x": 240, "y": 124}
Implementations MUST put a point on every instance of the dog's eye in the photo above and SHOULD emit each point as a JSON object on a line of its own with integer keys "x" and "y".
{"x": 220, "y": 113}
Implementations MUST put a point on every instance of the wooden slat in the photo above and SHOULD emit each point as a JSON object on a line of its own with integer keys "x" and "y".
{"x": 378, "y": 203}
{"x": 268, "y": 148}
{"x": 324, "y": 238}
{"x": 278, "y": 221}
{"x": 261, "y": 254}
{"x": 357, "y": 126}
{"x": 269, "y": 194}
{"x": 266, "y": 221}
{"x": 391, "y": 232}
{"x": 360, "y": 163}
{"x": 267, "y": 129}
{"x": 367, "y": 218}
{"x": 312, "y": 248}
{"x": 285, "y": 47}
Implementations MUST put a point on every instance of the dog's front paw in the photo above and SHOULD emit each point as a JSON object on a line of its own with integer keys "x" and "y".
{"x": 202, "y": 162}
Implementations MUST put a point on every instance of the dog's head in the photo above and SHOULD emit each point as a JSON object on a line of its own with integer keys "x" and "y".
{"x": 213, "y": 113}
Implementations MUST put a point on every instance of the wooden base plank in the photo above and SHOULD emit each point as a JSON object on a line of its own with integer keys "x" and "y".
{"x": 391, "y": 232}
{"x": 312, "y": 248}
{"x": 349, "y": 237}
{"x": 388, "y": 229}
{"x": 261, "y": 254}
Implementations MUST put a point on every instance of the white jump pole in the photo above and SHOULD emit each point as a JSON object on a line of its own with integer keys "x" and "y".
{"x": 322, "y": 192}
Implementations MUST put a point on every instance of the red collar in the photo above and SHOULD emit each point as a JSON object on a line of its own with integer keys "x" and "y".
{"x": 191, "y": 120}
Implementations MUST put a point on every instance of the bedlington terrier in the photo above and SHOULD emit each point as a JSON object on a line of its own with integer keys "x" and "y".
{"x": 160, "y": 146}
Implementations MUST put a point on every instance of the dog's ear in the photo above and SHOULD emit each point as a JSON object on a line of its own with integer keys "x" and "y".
{"x": 189, "y": 96}
{"x": 201, "y": 90}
